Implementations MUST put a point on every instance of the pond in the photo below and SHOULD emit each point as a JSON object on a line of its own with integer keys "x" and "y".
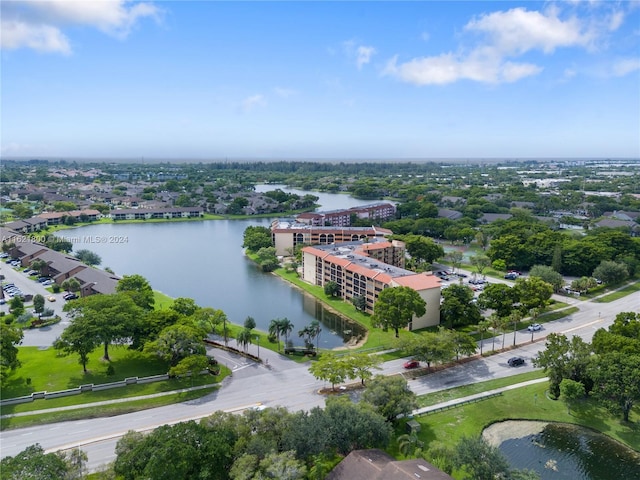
{"x": 559, "y": 451}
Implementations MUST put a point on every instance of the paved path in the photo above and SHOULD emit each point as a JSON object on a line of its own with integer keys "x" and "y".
{"x": 475, "y": 397}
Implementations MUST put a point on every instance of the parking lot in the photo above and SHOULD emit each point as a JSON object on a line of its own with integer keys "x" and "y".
{"x": 29, "y": 287}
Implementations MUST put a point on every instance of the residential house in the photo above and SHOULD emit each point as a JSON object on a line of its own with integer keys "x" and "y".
{"x": 450, "y": 214}
{"x": 375, "y": 464}
{"x": 492, "y": 217}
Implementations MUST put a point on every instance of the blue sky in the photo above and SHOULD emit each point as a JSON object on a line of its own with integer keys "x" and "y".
{"x": 338, "y": 80}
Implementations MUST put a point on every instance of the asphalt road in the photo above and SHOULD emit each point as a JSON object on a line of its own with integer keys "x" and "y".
{"x": 289, "y": 384}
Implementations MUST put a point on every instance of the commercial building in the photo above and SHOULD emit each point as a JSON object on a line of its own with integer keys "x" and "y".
{"x": 359, "y": 270}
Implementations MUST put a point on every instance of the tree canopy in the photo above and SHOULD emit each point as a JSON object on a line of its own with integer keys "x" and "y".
{"x": 396, "y": 307}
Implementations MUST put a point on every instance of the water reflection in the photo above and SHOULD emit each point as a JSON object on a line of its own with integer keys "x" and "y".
{"x": 204, "y": 261}
{"x": 568, "y": 452}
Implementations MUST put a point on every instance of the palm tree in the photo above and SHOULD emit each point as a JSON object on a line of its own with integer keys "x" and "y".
{"x": 514, "y": 318}
{"x": 534, "y": 312}
{"x": 310, "y": 331}
{"x": 315, "y": 332}
{"x": 286, "y": 328}
{"x": 274, "y": 330}
{"x": 244, "y": 339}
{"x": 483, "y": 327}
{"x": 494, "y": 323}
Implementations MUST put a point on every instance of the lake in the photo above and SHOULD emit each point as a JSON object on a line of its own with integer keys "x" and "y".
{"x": 204, "y": 260}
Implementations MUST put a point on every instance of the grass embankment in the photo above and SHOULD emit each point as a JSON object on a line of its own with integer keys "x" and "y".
{"x": 100, "y": 410}
{"x": 376, "y": 337}
{"x": 527, "y": 403}
{"x": 45, "y": 370}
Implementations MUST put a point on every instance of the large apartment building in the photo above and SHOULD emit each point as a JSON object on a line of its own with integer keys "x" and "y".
{"x": 376, "y": 212}
{"x": 358, "y": 269}
{"x": 288, "y": 234}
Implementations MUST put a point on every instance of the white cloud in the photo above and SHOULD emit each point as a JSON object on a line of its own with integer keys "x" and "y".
{"x": 626, "y": 66}
{"x": 43, "y": 38}
{"x": 364, "y": 55}
{"x": 39, "y": 24}
{"x": 360, "y": 54}
{"x": 254, "y": 101}
{"x": 447, "y": 68}
{"x": 519, "y": 30}
{"x": 506, "y": 35}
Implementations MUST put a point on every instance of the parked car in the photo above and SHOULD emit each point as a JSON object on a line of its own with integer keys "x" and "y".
{"x": 462, "y": 275}
{"x": 515, "y": 361}
{"x": 511, "y": 276}
{"x": 534, "y": 327}
{"x": 70, "y": 296}
{"x": 411, "y": 364}
{"x": 51, "y": 298}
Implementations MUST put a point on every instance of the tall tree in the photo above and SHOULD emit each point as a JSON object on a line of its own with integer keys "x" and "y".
{"x": 610, "y": 272}
{"x": 616, "y": 379}
{"x": 532, "y": 292}
{"x": 256, "y": 237}
{"x": 390, "y": 396}
{"x": 331, "y": 368}
{"x": 423, "y": 249}
{"x": 176, "y": 343}
{"x": 396, "y": 307}
{"x": 549, "y": 275}
{"x": 498, "y": 297}
{"x": 139, "y": 289}
{"x": 457, "y": 308}
{"x": 10, "y": 338}
{"x": 111, "y": 318}
{"x": 88, "y": 257}
{"x": 563, "y": 358}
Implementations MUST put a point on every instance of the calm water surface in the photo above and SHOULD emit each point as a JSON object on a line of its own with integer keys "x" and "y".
{"x": 204, "y": 260}
{"x": 569, "y": 452}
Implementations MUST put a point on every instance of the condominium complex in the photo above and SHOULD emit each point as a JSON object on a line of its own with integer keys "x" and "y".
{"x": 376, "y": 212}
{"x": 359, "y": 270}
{"x": 288, "y": 234}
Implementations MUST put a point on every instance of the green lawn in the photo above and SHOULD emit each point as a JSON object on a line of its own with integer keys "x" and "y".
{"x": 623, "y": 292}
{"x": 49, "y": 371}
{"x": 526, "y": 403}
{"x": 100, "y": 411}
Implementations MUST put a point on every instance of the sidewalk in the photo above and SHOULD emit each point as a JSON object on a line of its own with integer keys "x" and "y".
{"x": 475, "y": 397}
{"x": 108, "y": 402}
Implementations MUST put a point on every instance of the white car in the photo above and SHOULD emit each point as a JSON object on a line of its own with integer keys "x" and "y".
{"x": 534, "y": 327}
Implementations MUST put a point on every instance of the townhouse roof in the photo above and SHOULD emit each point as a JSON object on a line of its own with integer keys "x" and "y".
{"x": 492, "y": 217}
{"x": 450, "y": 214}
{"x": 59, "y": 261}
{"x": 374, "y": 464}
{"x": 72, "y": 213}
{"x": 28, "y": 247}
{"x": 103, "y": 282}
{"x": 8, "y": 235}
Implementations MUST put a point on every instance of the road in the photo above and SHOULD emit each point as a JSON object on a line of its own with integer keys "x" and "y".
{"x": 289, "y": 384}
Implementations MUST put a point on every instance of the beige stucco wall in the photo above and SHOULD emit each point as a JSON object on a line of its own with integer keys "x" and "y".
{"x": 283, "y": 242}
{"x": 309, "y": 268}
